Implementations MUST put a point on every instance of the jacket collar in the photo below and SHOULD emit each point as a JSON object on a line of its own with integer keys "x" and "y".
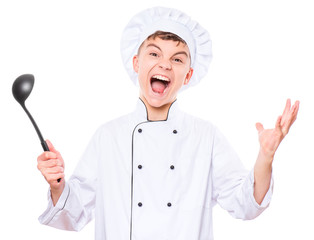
{"x": 142, "y": 114}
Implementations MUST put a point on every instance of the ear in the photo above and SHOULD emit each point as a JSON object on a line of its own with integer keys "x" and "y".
{"x": 188, "y": 76}
{"x": 135, "y": 63}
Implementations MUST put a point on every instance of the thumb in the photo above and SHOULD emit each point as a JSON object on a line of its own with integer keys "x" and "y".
{"x": 51, "y": 147}
{"x": 259, "y": 127}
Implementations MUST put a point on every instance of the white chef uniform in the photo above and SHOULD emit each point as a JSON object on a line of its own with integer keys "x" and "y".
{"x": 147, "y": 180}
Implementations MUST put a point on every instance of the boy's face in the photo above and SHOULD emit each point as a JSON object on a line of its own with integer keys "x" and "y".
{"x": 163, "y": 67}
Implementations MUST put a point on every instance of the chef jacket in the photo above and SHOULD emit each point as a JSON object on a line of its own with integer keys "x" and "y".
{"x": 146, "y": 180}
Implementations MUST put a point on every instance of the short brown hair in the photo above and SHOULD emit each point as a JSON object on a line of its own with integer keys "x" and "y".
{"x": 167, "y": 36}
{"x": 164, "y": 36}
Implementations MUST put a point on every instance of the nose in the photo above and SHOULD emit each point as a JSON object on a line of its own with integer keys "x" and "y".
{"x": 165, "y": 64}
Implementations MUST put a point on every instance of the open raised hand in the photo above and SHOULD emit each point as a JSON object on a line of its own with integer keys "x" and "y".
{"x": 271, "y": 138}
{"x": 269, "y": 142}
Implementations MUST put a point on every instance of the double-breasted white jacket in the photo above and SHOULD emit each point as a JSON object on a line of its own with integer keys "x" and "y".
{"x": 146, "y": 180}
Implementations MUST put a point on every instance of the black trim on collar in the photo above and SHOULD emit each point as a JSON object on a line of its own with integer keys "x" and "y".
{"x": 157, "y": 120}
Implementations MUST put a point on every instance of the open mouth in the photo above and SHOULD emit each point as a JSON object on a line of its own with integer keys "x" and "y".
{"x": 159, "y": 83}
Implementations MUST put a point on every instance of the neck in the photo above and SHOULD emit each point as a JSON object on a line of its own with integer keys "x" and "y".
{"x": 156, "y": 113}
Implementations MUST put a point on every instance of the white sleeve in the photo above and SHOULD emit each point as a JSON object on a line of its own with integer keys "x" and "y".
{"x": 75, "y": 207}
{"x": 233, "y": 185}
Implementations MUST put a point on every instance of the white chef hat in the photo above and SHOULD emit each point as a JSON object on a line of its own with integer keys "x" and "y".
{"x": 171, "y": 20}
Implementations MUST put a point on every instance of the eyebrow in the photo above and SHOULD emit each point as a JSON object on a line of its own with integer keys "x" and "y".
{"x": 177, "y": 53}
{"x": 153, "y": 45}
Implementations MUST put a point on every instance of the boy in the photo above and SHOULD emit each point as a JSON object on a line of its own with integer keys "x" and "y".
{"x": 156, "y": 173}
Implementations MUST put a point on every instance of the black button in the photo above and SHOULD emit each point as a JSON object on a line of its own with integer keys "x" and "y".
{"x": 139, "y": 130}
{"x": 169, "y": 204}
{"x": 140, "y": 204}
{"x": 139, "y": 166}
{"x": 175, "y": 131}
{"x": 171, "y": 167}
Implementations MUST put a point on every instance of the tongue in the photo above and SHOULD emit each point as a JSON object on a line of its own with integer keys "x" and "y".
{"x": 158, "y": 86}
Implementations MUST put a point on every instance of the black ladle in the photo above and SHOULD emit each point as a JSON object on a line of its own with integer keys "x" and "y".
{"x": 21, "y": 89}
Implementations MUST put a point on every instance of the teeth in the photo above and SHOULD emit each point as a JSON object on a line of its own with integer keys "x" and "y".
{"x": 162, "y": 78}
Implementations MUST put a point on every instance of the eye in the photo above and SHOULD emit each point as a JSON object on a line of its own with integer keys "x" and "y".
{"x": 178, "y": 60}
{"x": 153, "y": 54}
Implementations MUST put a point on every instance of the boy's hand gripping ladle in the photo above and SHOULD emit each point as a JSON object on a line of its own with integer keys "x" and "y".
{"x": 21, "y": 89}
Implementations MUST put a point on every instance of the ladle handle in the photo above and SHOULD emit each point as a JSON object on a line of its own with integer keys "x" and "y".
{"x": 42, "y": 141}
{"x": 45, "y": 146}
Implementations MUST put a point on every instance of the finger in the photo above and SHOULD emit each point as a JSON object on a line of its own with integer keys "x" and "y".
{"x": 46, "y": 156}
{"x": 46, "y": 172}
{"x": 259, "y": 127}
{"x": 54, "y": 170}
{"x": 294, "y": 112}
{"x": 291, "y": 117}
{"x": 52, "y": 178}
{"x": 287, "y": 107}
{"x": 278, "y": 122}
{"x": 295, "y": 107}
{"x": 42, "y": 157}
{"x": 49, "y": 164}
{"x": 52, "y": 149}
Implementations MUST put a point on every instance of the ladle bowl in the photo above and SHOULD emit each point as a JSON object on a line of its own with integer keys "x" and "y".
{"x": 22, "y": 87}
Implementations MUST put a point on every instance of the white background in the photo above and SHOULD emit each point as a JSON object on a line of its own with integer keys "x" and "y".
{"x": 263, "y": 54}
